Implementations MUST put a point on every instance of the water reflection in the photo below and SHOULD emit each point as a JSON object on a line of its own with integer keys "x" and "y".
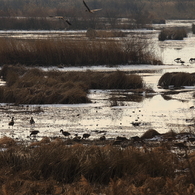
{"x": 160, "y": 111}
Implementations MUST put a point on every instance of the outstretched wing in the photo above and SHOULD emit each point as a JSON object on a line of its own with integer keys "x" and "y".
{"x": 86, "y": 6}
{"x": 68, "y": 22}
{"x": 95, "y": 10}
{"x": 60, "y": 17}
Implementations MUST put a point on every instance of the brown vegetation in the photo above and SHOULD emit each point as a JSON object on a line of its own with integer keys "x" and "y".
{"x": 52, "y": 167}
{"x": 172, "y": 34}
{"x": 75, "y": 52}
{"x": 34, "y": 86}
{"x": 177, "y": 80}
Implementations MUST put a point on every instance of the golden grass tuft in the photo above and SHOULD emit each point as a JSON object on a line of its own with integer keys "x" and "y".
{"x": 7, "y": 142}
{"x": 35, "y": 86}
{"x": 55, "y": 168}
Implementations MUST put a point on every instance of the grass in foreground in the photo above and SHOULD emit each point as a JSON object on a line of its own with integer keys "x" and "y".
{"x": 55, "y": 168}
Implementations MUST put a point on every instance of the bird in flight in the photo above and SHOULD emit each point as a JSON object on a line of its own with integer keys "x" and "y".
{"x": 61, "y": 18}
{"x": 90, "y": 10}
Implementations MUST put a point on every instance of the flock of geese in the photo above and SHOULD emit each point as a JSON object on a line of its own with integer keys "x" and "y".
{"x": 32, "y": 122}
{"x": 87, "y": 10}
{"x": 35, "y": 132}
{"x": 179, "y": 60}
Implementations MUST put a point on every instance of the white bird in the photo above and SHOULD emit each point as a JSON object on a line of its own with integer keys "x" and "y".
{"x": 90, "y": 10}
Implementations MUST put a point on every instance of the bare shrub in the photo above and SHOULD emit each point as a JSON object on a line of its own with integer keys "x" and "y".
{"x": 150, "y": 134}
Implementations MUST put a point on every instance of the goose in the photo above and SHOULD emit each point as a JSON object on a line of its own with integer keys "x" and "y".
{"x": 11, "y": 123}
{"x": 102, "y": 138}
{"x": 61, "y": 18}
{"x": 90, "y": 10}
{"x": 32, "y": 122}
{"x": 65, "y": 133}
{"x": 35, "y": 132}
{"x": 86, "y": 135}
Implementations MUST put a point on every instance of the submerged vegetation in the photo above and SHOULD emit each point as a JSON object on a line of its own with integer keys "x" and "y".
{"x": 34, "y": 86}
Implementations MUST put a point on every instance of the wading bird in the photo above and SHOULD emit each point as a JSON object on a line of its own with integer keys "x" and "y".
{"x": 61, "y": 18}
{"x": 65, "y": 133}
{"x": 11, "y": 123}
{"x": 32, "y": 122}
{"x": 86, "y": 135}
{"x": 35, "y": 132}
{"x": 90, "y": 10}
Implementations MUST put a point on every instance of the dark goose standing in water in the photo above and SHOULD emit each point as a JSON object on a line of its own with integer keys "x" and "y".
{"x": 11, "y": 123}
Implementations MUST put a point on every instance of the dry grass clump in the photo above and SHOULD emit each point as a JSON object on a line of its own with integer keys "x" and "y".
{"x": 150, "y": 134}
{"x": 177, "y": 79}
{"x": 75, "y": 53}
{"x": 7, "y": 142}
{"x": 55, "y": 168}
{"x": 92, "y": 33}
{"x": 172, "y": 34}
{"x": 34, "y": 86}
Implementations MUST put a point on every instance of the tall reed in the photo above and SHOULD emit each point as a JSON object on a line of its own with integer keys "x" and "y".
{"x": 75, "y": 53}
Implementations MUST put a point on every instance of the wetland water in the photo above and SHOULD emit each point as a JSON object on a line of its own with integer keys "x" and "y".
{"x": 99, "y": 117}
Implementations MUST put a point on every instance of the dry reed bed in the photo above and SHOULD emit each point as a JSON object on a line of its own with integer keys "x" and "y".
{"x": 177, "y": 79}
{"x": 34, "y": 86}
{"x": 172, "y": 34}
{"x": 71, "y": 52}
{"x": 55, "y": 168}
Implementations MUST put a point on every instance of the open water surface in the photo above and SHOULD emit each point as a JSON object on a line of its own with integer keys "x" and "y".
{"x": 100, "y": 117}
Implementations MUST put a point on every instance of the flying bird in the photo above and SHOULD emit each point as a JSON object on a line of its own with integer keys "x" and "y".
{"x": 61, "y": 18}
{"x": 90, "y": 10}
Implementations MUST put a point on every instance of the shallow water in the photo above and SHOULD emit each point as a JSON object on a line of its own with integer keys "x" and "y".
{"x": 99, "y": 117}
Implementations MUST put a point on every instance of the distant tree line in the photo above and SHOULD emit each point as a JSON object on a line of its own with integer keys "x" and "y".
{"x": 139, "y": 12}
